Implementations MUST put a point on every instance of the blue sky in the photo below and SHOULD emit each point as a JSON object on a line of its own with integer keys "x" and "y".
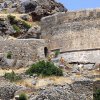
{"x": 80, "y": 4}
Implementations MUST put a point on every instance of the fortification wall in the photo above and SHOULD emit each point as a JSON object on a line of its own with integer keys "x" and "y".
{"x": 23, "y": 49}
{"x": 91, "y": 56}
{"x": 76, "y": 30}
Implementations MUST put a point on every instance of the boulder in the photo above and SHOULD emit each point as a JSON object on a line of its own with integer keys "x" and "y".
{"x": 3, "y": 62}
{"x": 34, "y": 29}
{"x": 33, "y": 32}
{"x": 27, "y": 6}
{"x": 7, "y": 90}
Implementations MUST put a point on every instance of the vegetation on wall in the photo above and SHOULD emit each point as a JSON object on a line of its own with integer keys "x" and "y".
{"x": 44, "y": 68}
{"x": 57, "y": 52}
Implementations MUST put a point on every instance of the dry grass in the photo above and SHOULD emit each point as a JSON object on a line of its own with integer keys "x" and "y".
{"x": 18, "y": 17}
{"x": 26, "y": 83}
{"x": 96, "y": 72}
{"x": 52, "y": 80}
{"x": 45, "y": 81}
{"x": 18, "y": 71}
{"x": 41, "y": 82}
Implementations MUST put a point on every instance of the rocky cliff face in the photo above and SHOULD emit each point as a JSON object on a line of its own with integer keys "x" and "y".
{"x": 41, "y": 8}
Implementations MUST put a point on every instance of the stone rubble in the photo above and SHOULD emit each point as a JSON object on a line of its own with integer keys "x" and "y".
{"x": 76, "y": 91}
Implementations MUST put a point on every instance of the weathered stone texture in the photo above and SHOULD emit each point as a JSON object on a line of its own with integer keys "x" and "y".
{"x": 76, "y": 91}
{"x": 23, "y": 49}
{"x": 92, "y": 56}
{"x": 73, "y": 30}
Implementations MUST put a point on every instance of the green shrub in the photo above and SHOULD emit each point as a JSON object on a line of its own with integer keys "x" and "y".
{"x": 44, "y": 68}
{"x": 16, "y": 28}
{"x": 9, "y": 55}
{"x": 11, "y": 18}
{"x": 96, "y": 95}
{"x": 22, "y": 97}
{"x": 12, "y": 76}
{"x": 57, "y": 52}
{"x": 26, "y": 25}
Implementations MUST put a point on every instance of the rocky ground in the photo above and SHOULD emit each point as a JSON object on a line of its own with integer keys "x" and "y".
{"x": 78, "y": 80}
{"x": 75, "y": 91}
{"x": 76, "y": 84}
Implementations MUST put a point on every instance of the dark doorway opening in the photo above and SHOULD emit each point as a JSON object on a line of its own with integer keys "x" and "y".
{"x": 45, "y": 51}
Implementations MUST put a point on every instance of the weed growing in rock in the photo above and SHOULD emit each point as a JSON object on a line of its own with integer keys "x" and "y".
{"x": 16, "y": 28}
{"x": 22, "y": 97}
{"x": 57, "y": 52}
{"x": 44, "y": 68}
{"x": 9, "y": 55}
{"x": 11, "y": 17}
{"x": 26, "y": 25}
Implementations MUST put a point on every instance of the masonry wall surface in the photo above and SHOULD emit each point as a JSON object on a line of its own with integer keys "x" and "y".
{"x": 23, "y": 49}
{"x": 91, "y": 56}
{"x": 76, "y": 30}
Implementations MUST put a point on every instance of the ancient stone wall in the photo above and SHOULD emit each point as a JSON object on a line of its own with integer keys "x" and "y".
{"x": 76, "y": 30}
{"x": 23, "y": 49}
{"x": 91, "y": 56}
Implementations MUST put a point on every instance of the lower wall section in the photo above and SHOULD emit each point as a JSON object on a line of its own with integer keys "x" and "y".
{"x": 92, "y": 56}
{"x": 23, "y": 49}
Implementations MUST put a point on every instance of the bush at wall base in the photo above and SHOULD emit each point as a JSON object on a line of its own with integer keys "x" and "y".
{"x": 44, "y": 68}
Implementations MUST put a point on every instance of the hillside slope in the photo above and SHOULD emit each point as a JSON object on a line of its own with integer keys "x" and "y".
{"x": 25, "y": 16}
